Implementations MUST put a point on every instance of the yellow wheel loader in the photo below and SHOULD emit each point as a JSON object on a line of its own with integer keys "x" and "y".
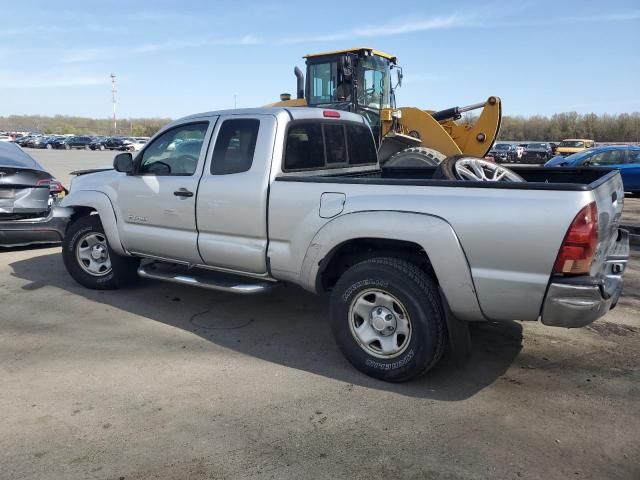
{"x": 359, "y": 80}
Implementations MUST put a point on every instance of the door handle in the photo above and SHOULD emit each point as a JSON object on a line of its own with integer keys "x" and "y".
{"x": 183, "y": 192}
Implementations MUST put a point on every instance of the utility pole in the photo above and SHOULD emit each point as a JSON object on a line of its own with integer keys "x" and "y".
{"x": 113, "y": 99}
{"x": 235, "y": 101}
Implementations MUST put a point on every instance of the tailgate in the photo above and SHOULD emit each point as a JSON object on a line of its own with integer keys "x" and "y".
{"x": 609, "y": 197}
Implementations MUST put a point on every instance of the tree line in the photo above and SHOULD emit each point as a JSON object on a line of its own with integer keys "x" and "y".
{"x": 623, "y": 127}
{"x": 62, "y": 124}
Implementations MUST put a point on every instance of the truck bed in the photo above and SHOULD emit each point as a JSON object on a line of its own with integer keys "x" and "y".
{"x": 537, "y": 178}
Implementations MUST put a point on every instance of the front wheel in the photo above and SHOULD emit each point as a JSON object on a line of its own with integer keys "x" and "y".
{"x": 387, "y": 319}
{"x": 89, "y": 259}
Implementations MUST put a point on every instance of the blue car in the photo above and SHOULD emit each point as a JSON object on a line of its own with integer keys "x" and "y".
{"x": 625, "y": 158}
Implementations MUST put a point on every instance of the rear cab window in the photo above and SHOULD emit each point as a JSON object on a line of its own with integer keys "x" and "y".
{"x": 316, "y": 145}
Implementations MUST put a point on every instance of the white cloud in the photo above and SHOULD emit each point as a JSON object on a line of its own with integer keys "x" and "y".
{"x": 29, "y": 30}
{"x": 87, "y": 55}
{"x": 611, "y": 17}
{"x": 51, "y": 80}
{"x": 455, "y": 20}
{"x": 395, "y": 27}
{"x": 178, "y": 44}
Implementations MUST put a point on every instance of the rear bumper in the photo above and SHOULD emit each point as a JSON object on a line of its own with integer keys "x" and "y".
{"x": 49, "y": 229}
{"x": 577, "y": 302}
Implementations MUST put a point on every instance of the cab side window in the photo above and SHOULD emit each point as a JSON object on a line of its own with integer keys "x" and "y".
{"x": 175, "y": 152}
{"x": 235, "y": 146}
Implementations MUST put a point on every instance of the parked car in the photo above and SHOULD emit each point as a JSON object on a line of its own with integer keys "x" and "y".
{"x": 538, "y": 152}
{"x": 116, "y": 143}
{"x": 98, "y": 143}
{"x": 137, "y": 144}
{"x": 28, "y": 200}
{"x": 519, "y": 151}
{"x": 31, "y": 141}
{"x": 574, "y": 145}
{"x": 77, "y": 142}
{"x": 22, "y": 141}
{"x": 6, "y": 138}
{"x": 503, "y": 153}
{"x": 49, "y": 142}
{"x": 297, "y": 196}
{"x": 625, "y": 158}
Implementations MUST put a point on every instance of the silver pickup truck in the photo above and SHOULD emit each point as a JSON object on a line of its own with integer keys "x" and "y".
{"x": 245, "y": 200}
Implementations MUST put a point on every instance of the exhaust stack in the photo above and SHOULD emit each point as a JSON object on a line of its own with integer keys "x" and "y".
{"x": 300, "y": 82}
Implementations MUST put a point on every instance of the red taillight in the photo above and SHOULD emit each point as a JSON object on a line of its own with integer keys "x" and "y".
{"x": 54, "y": 185}
{"x": 331, "y": 114}
{"x": 579, "y": 245}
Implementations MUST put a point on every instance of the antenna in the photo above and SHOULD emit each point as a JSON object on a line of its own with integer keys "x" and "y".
{"x": 113, "y": 99}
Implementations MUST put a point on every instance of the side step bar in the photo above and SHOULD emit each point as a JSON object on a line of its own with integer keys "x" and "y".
{"x": 199, "y": 277}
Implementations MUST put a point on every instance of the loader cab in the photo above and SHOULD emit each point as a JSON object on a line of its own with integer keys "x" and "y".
{"x": 357, "y": 80}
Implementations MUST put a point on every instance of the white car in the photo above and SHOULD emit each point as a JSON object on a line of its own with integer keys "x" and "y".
{"x": 137, "y": 144}
{"x": 519, "y": 151}
{"x": 5, "y": 138}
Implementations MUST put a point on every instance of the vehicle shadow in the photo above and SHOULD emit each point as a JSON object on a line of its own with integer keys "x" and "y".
{"x": 287, "y": 326}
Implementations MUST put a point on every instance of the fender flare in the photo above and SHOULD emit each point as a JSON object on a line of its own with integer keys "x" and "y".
{"x": 433, "y": 234}
{"x": 101, "y": 203}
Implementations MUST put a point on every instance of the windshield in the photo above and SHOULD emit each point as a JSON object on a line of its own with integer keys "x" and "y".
{"x": 578, "y": 156}
{"x": 374, "y": 83}
{"x": 572, "y": 143}
{"x": 501, "y": 146}
{"x": 537, "y": 145}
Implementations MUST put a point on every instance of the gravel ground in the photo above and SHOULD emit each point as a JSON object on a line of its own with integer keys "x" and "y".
{"x": 167, "y": 381}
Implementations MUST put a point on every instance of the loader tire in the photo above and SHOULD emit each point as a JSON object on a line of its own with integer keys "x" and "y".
{"x": 415, "y": 157}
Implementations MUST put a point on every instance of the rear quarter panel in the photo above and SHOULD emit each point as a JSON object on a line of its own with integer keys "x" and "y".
{"x": 509, "y": 237}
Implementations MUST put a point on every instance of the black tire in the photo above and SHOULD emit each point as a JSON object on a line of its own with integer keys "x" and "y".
{"x": 123, "y": 269}
{"x": 415, "y": 157}
{"x": 447, "y": 169}
{"x": 419, "y": 297}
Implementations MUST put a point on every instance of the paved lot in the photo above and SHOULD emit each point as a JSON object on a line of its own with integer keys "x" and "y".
{"x": 166, "y": 381}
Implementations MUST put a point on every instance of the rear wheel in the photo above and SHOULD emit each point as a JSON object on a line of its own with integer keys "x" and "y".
{"x": 387, "y": 319}
{"x": 89, "y": 259}
{"x": 415, "y": 157}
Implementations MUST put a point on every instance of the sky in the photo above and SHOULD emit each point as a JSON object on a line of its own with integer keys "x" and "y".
{"x": 175, "y": 58}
